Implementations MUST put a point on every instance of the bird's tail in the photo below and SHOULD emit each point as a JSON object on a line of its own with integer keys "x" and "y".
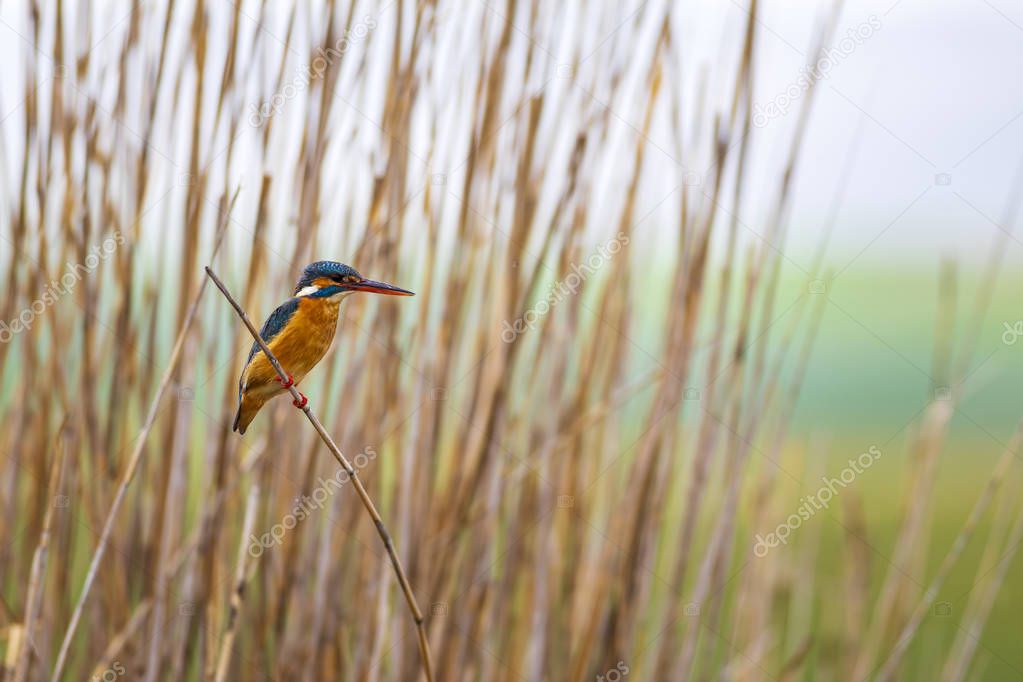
{"x": 247, "y": 410}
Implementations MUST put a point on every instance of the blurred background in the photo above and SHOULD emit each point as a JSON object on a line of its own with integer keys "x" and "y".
{"x": 681, "y": 267}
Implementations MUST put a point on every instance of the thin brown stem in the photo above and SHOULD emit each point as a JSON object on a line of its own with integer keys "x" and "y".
{"x": 367, "y": 502}
{"x": 136, "y": 457}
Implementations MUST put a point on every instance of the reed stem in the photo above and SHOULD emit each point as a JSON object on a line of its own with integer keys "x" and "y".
{"x": 367, "y": 502}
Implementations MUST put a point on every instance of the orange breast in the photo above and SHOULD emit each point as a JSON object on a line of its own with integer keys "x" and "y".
{"x": 299, "y": 346}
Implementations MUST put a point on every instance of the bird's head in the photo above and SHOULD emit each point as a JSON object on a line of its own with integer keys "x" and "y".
{"x": 333, "y": 280}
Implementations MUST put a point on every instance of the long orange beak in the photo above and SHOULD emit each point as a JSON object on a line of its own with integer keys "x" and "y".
{"x": 373, "y": 287}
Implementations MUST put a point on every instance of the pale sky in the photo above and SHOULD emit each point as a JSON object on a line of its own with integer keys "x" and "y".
{"x": 937, "y": 90}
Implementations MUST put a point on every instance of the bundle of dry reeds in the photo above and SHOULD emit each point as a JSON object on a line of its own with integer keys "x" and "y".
{"x": 571, "y": 488}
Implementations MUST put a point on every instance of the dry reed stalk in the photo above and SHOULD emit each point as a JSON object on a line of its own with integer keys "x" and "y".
{"x": 16, "y": 642}
{"x": 176, "y": 495}
{"x": 858, "y": 578}
{"x": 888, "y": 669}
{"x": 889, "y": 609}
{"x": 133, "y": 461}
{"x": 385, "y": 537}
{"x": 118, "y": 642}
{"x": 174, "y": 564}
{"x": 968, "y": 637}
{"x": 33, "y": 600}
{"x": 241, "y": 577}
{"x": 690, "y": 292}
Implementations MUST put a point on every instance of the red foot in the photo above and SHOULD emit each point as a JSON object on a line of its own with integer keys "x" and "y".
{"x": 300, "y": 403}
{"x": 286, "y": 384}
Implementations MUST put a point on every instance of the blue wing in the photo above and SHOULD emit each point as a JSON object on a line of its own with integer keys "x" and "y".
{"x": 271, "y": 328}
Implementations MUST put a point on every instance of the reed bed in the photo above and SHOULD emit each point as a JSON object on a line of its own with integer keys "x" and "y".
{"x": 572, "y": 432}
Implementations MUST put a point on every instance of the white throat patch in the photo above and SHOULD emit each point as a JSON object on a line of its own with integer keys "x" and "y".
{"x": 336, "y": 298}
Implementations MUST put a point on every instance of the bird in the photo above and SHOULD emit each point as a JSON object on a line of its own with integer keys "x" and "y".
{"x": 299, "y": 333}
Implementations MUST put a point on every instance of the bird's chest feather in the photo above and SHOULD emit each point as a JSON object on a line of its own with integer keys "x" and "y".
{"x": 307, "y": 336}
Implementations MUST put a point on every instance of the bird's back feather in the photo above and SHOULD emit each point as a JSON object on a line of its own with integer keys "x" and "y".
{"x": 271, "y": 328}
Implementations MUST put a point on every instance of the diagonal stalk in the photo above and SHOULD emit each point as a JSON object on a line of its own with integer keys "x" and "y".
{"x": 136, "y": 457}
{"x": 367, "y": 502}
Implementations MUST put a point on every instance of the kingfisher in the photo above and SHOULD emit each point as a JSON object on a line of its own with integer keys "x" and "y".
{"x": 299, "y": 333}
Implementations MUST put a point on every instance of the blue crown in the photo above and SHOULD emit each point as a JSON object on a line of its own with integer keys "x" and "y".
{"x": 324, "y": 268}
